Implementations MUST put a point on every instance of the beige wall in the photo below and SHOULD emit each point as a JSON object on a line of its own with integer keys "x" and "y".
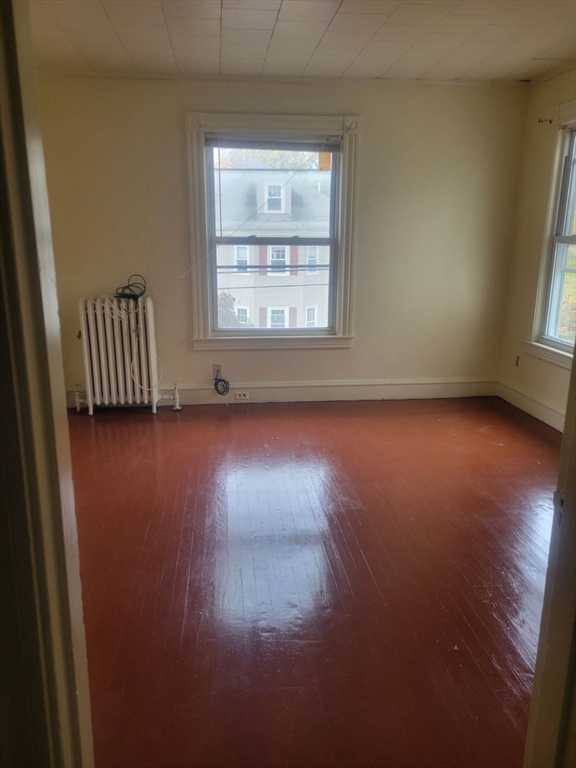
{"x": 536, "y": 385}
{"x": 436, "y": 199}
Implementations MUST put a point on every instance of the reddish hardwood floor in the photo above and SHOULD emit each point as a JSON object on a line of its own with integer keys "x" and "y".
{"x": 316, "y": 585}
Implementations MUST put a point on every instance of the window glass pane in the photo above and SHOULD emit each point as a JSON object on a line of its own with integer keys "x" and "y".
{"x": 562, "y": 312}
{"x": 271, "y": 193}
{"x": 275, "y": 277}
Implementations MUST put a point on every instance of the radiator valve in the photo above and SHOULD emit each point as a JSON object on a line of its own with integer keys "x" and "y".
{"x": 175, "y": 396}
{"x": 79, "y": 401}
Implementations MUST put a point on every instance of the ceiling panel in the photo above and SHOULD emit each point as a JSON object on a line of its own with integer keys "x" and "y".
{"x": 285, "y": 64}
{"x": 195, "y": 9}
{"x": 308, "y": 10}
{"x": 408, "y": 39}
{"x": 139, "y": 13}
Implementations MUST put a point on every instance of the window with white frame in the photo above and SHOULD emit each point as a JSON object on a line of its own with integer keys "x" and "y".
{"x": 277, "y": 317}
{"x": 312, "y": 259}
{"x": 559, "y": 326}
{"x": 240, "y": 168}
{"x": 275, "y": 198}
{"x": 243, "y": 315}
{"x": 311, "y": 317}
{"x": 277, "y": 259}
{"x": 241, "y": 258}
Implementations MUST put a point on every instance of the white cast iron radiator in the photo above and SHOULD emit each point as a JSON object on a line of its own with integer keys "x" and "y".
{"x": 119, "y": 345}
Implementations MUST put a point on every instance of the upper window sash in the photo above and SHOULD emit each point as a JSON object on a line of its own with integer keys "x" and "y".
{"x": 253, "y": 239}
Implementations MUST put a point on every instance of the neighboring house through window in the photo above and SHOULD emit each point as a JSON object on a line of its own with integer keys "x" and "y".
{"x": 244, "y": 168}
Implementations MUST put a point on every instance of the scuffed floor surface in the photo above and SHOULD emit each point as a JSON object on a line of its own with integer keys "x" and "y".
{"x": 313, "y": 585}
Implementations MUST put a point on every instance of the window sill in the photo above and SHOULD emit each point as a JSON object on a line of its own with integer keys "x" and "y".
{"x": 549, "y": 354}
{"x": 235, "y": 343}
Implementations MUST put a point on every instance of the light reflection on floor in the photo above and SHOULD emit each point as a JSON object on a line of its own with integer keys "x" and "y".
{"x": 271, "y": 569}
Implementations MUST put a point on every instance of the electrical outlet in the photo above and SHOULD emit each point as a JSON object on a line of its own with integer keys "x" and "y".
{"x": 242, "y": 395}
{"x": 217, "y": 371}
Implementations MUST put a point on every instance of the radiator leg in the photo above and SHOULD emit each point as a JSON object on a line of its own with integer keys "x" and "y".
{"x": 176, "y": 398}
{"x": 77, "y": 399}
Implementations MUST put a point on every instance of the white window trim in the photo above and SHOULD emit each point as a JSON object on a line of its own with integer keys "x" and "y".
{"x": 262, "y": 127}
{"x": 282, "y": 197}
{"x": 554, "y": 239}
{"x": 538, "y": 345}
{"x": 550, "y": 354}
{"x": 276, "y": 309}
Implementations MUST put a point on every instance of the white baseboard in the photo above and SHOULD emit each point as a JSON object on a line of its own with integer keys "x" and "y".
{"x": 374, "y": 389}
{"x": 306, "y": 391}
{"x": 536, "y": 406}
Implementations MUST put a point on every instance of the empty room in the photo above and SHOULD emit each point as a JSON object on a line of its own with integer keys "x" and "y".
{"x": 315, "y": 263}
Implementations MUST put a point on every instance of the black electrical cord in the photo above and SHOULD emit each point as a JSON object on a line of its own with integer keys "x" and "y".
{"x": 221, "y": 386}
{"x": 133, "y": 289}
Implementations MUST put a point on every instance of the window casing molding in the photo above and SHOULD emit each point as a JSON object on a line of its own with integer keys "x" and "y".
{"x": 539, "y": 344}
{"x": 558, "y": 239}
{"x": 263, "y": 128}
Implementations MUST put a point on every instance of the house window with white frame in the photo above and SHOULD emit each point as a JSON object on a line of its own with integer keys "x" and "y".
{"x": 240, "y": 168}
{"x": 277, "y": 259}
{"x": 242, "y": 258}
{"x": 312, "y": 259}
{"x": 311, "y": 316}
{"x": 243, "y": 315}
{"x": 275, "y": 198}
{"x": 559, "y": 317}
{"x": 277, "y": 317}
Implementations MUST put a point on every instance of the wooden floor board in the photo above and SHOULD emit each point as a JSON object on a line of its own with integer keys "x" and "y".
{"x": 313, "y": 585}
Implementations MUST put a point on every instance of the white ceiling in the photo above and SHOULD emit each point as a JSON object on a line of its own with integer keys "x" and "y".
{"x": 406, "y": 39}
